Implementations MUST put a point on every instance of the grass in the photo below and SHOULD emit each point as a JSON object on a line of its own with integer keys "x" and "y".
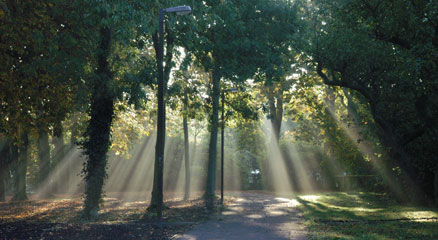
{"x": 366, "y": 216}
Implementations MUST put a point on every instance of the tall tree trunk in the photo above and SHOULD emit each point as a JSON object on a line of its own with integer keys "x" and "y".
{"x": 71, "y": 147}
{"x": 59, "y": 145}
{"x": 275, "y": 111}
{"x": 435, "y": 185}
{"x": 186, "y": 153}
{"x": 21, "y": 169}
{"x": 157, "y": 187}
{"x": 43, "y": 155}
{"x": 193, "y": 150}
{"x": 2, "y": 183}
{"x": 275, "y": 102}
{"x": 195, "y": 143}
{"x": 58, "y": 156}
{"x": 3, "y": 169}
{"x": 99, "y": 129}
{"x": 74, "y": 130}
{"x": 4, "y": 162}
{"x": 212, "y": 150}
{"x": 13, "y": 158}
{"x": 158, "y": 41}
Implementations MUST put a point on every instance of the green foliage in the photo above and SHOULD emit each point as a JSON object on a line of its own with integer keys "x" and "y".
{"x": 349, "y": 83}
{"x": 36, "y": 90}
{"x": 129, "y": 126}
{"x": 381, "y": 49}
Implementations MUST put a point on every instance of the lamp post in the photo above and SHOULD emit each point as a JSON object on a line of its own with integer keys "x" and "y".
{"x": 161, "y": 111}
{"x": 222, "y": 140}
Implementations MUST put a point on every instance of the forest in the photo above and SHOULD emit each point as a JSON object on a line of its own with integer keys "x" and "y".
{"x": 153, "y": 102}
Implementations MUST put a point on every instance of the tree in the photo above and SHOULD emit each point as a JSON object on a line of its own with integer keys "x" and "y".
{"x": 185, "y": 88}
{"x": 33, "y": 96}
{"x": 105, "y": 90}
{"x": 98, "y": 132}
{"x": 5, "y": 160}
{"x": 43, "y": 155}
{"x": 157, "y": 191}
{"x": 370, "y": 47}
{"x": 275, "y": 30}
{"x": 224, "y": 42}
{"x": 21, "y": 167}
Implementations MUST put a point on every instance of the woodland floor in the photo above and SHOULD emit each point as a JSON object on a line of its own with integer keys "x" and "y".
{"x": 246, "y": 215}
{"x": 60, "y": 219}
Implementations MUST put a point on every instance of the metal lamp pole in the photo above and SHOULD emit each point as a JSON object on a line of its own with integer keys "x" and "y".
{"x": 161, "y": 111}
{"x": 222, "y": 141}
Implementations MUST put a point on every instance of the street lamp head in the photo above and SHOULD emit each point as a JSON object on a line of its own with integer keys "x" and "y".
{"x": 180, "y": 10}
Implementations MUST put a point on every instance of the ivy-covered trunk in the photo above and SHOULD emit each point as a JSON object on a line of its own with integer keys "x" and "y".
{"x": 212, "y": 149}
{"x": 98, "y": 132}
{"x": 186, "y": 152}
{"x": 21, "y": 169}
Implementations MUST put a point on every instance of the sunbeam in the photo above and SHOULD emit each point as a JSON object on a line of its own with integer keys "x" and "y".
{"x": 232, "y": 177}
{"x": 364, "y": 148}
{"x": 71, "y": 166}
{"x": 301, "y": 170}
{"x": 277, "y": 176}
{"x": 131, "y": 178}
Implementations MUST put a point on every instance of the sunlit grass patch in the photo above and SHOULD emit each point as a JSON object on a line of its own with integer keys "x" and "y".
{"x": 366, "y": 216}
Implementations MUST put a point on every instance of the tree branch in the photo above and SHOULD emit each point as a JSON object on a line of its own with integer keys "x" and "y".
{"x": 342, "y": 83}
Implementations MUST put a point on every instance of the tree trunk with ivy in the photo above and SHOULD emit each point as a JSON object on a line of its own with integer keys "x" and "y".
{"x": 97, "y": 136}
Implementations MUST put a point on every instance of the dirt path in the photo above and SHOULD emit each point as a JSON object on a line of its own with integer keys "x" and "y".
{"x": 252, "y": 216}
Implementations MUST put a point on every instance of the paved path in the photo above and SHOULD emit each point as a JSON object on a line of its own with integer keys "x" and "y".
{"x": 253, "y": 216}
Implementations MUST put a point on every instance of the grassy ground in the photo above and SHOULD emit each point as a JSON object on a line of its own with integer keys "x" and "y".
{"x": 365, "y": 216}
